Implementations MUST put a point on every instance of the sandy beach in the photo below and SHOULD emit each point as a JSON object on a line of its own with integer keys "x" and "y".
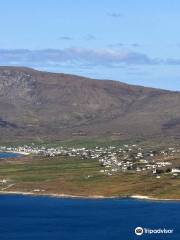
{"x": 62, "y": 195}
{"x": 152, "y": 198}
{"x": 55, "y": 195}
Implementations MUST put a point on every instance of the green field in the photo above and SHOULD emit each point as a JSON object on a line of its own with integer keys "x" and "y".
{"x": 64, "y": 175}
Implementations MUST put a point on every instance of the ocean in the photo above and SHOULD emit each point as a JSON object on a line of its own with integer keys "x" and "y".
{"x": 9, "y": 155}
{"x": 50, "y": 218}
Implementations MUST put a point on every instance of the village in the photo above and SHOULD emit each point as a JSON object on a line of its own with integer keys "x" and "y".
{"x": 127, "y": 158}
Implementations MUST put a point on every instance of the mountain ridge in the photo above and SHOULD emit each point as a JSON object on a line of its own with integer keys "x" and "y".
{"x": 36, "y": 104}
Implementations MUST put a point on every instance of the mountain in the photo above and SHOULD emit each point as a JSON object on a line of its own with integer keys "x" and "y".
{"x": 35, "y": 104}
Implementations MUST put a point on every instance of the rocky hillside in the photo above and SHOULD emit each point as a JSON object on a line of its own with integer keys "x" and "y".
{"x": 36, "y": 104}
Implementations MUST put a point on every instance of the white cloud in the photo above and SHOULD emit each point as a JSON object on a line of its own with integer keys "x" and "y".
{"x": 74, "y": 55}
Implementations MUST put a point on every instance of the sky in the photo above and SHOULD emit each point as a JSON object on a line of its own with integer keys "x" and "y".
{"x": 136, "y": 42}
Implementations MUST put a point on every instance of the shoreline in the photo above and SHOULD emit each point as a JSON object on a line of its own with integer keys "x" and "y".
{"x": 138, "y": 197}
{"x": 61, "y": 195}
{"x": 142, "y": 197}
{"x": 17, "y": 152}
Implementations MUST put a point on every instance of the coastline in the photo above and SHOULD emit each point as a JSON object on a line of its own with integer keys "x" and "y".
{"x": 54, "y": 195}
{"x": 143, "y": 197}
{"x": 17, "y": 152}
{"x": 138, "y": 197}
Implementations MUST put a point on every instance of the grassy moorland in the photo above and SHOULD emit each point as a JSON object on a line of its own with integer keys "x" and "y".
{"x": 73, "y": 176}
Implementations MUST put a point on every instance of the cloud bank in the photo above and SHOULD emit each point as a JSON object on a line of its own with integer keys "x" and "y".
{"x": 75, "y": 56}
{"x": 80, "y": 57}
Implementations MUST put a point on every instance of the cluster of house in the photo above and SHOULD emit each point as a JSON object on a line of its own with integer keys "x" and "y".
{"x": 136, "y": 159}
{"x": 132, "y": 158}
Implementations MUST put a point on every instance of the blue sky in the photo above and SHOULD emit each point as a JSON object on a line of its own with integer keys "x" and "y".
{"x": 131, "y": 41}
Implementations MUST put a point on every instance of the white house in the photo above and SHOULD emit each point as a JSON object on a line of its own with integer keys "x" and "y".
{"x": 175, "y": 170}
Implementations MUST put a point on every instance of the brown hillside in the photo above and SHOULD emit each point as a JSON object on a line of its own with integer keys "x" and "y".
{"x": 55, "y": 106}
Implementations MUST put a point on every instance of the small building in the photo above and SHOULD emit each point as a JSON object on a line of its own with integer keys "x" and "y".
{"x": 175, "y": 170}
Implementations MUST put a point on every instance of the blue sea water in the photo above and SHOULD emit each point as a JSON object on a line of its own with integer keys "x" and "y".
{"x": 9, "y": 155}
{"x": 46, "y": 218}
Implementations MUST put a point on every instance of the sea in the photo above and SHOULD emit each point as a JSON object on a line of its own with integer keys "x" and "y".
{"x": 50, "y": 218}
{"x": 9, "y": 155}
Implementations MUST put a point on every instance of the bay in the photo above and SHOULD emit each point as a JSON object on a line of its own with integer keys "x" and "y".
{"x": 50, "y": 218}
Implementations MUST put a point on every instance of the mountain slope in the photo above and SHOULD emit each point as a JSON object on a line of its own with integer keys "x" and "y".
{"x": 57, "y": 106}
